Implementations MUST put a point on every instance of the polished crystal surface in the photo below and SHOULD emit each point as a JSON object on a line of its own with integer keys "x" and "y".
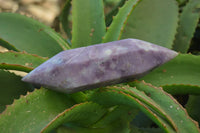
{"x": 99, "y": 65}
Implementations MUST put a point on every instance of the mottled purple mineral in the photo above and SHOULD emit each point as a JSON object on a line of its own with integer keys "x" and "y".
{"x": 99, "y": 65}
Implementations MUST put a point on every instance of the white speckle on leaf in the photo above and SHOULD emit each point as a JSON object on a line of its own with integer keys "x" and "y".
{"x": 171, "y": 106}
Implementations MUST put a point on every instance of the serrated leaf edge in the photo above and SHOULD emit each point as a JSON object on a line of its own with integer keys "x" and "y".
{"x": 63, "y": 113}
{"x": 16, "y": 100}
{"x": 142, "y": 107}
{"x": 175, "y": 101}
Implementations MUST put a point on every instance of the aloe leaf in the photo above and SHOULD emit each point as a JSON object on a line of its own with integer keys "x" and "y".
{"x": 145, "y": 99}
{"x": 7, "y": 45}
{"x": 154, "y": 21}
{"x": 119, "y": 21}
{"x": 193, "y": 107}
{"x": 181, "y": 2}
{"x": 115, "y": 96}
{"x": 115, "y": 127}
{"x": 33, "y": 112}
{"x": 83, "y": 114}
{"x": 64, "y": 18}
{"x": 151, "y": 104}
{"x": 113, "y": 12}
{"x": 161, "y": 107}
{"x": 182, "y": 89}
{"x": 11, "y": 88}
{"x": 20, "y": 61}
{"x": 188, "y": 22}
{"x": 145, "y": 130}
{"x": 88, "y": 25}
{"x": 141, "y": 120}
{"x": 184, "y": 123}
{"x": 26, "y": 34}
{"x": 151, "y": 130}
{"x": 178, "y": 76}
{"x": 76, "y": 129}
{"x": 79, "y": 97}
{"x": 116, "y": 113}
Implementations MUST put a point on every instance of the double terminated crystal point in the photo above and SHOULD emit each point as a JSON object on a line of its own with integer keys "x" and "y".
{"x": 99, "y": 65}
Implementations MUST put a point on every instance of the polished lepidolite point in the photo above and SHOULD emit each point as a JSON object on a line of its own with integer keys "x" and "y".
{"x": 99, "y": 65}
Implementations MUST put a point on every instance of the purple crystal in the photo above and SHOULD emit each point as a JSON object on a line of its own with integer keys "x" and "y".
{"x": 99, "y": 65}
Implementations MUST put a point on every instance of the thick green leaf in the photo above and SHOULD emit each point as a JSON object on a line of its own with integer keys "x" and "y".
{"x": 181, "y": 1}
{"x": 7, "y": 45}
{"x": 33, "y": 112}
{"x": 161, "y": 107}
{"x": 11, "y": 88}
{"x": 151, "y": 130}
{"x": 119, "y": 113}
{"x": 184, "y": 124}
{"x": 64, "y": 18}
{"x": 178, "y": 76}
{"x": 188, "y": 22}
{"x": 26, "y": 34}
{"x": 76, "y": 129}
{"x": 145, "y": 130}
{"x": 124, "y": 96}
{"x": 79, "y": 97}
{"x": 20, "y": 61}
{"x": 88, "y": 25}
{"x": 119, "y": 21}
{"x": 153, "y": 21}
{"x": 83, "y": 114}
{"x": 115, "y": 127}
{"x": 113, "y": 12}
{"x": 142, "y": 121}
{"x": 193, "y": 107}
{"x": 181, "y": 89}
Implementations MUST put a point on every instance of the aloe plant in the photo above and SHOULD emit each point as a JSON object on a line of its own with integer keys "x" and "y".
{"x": 165, "y": 100}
